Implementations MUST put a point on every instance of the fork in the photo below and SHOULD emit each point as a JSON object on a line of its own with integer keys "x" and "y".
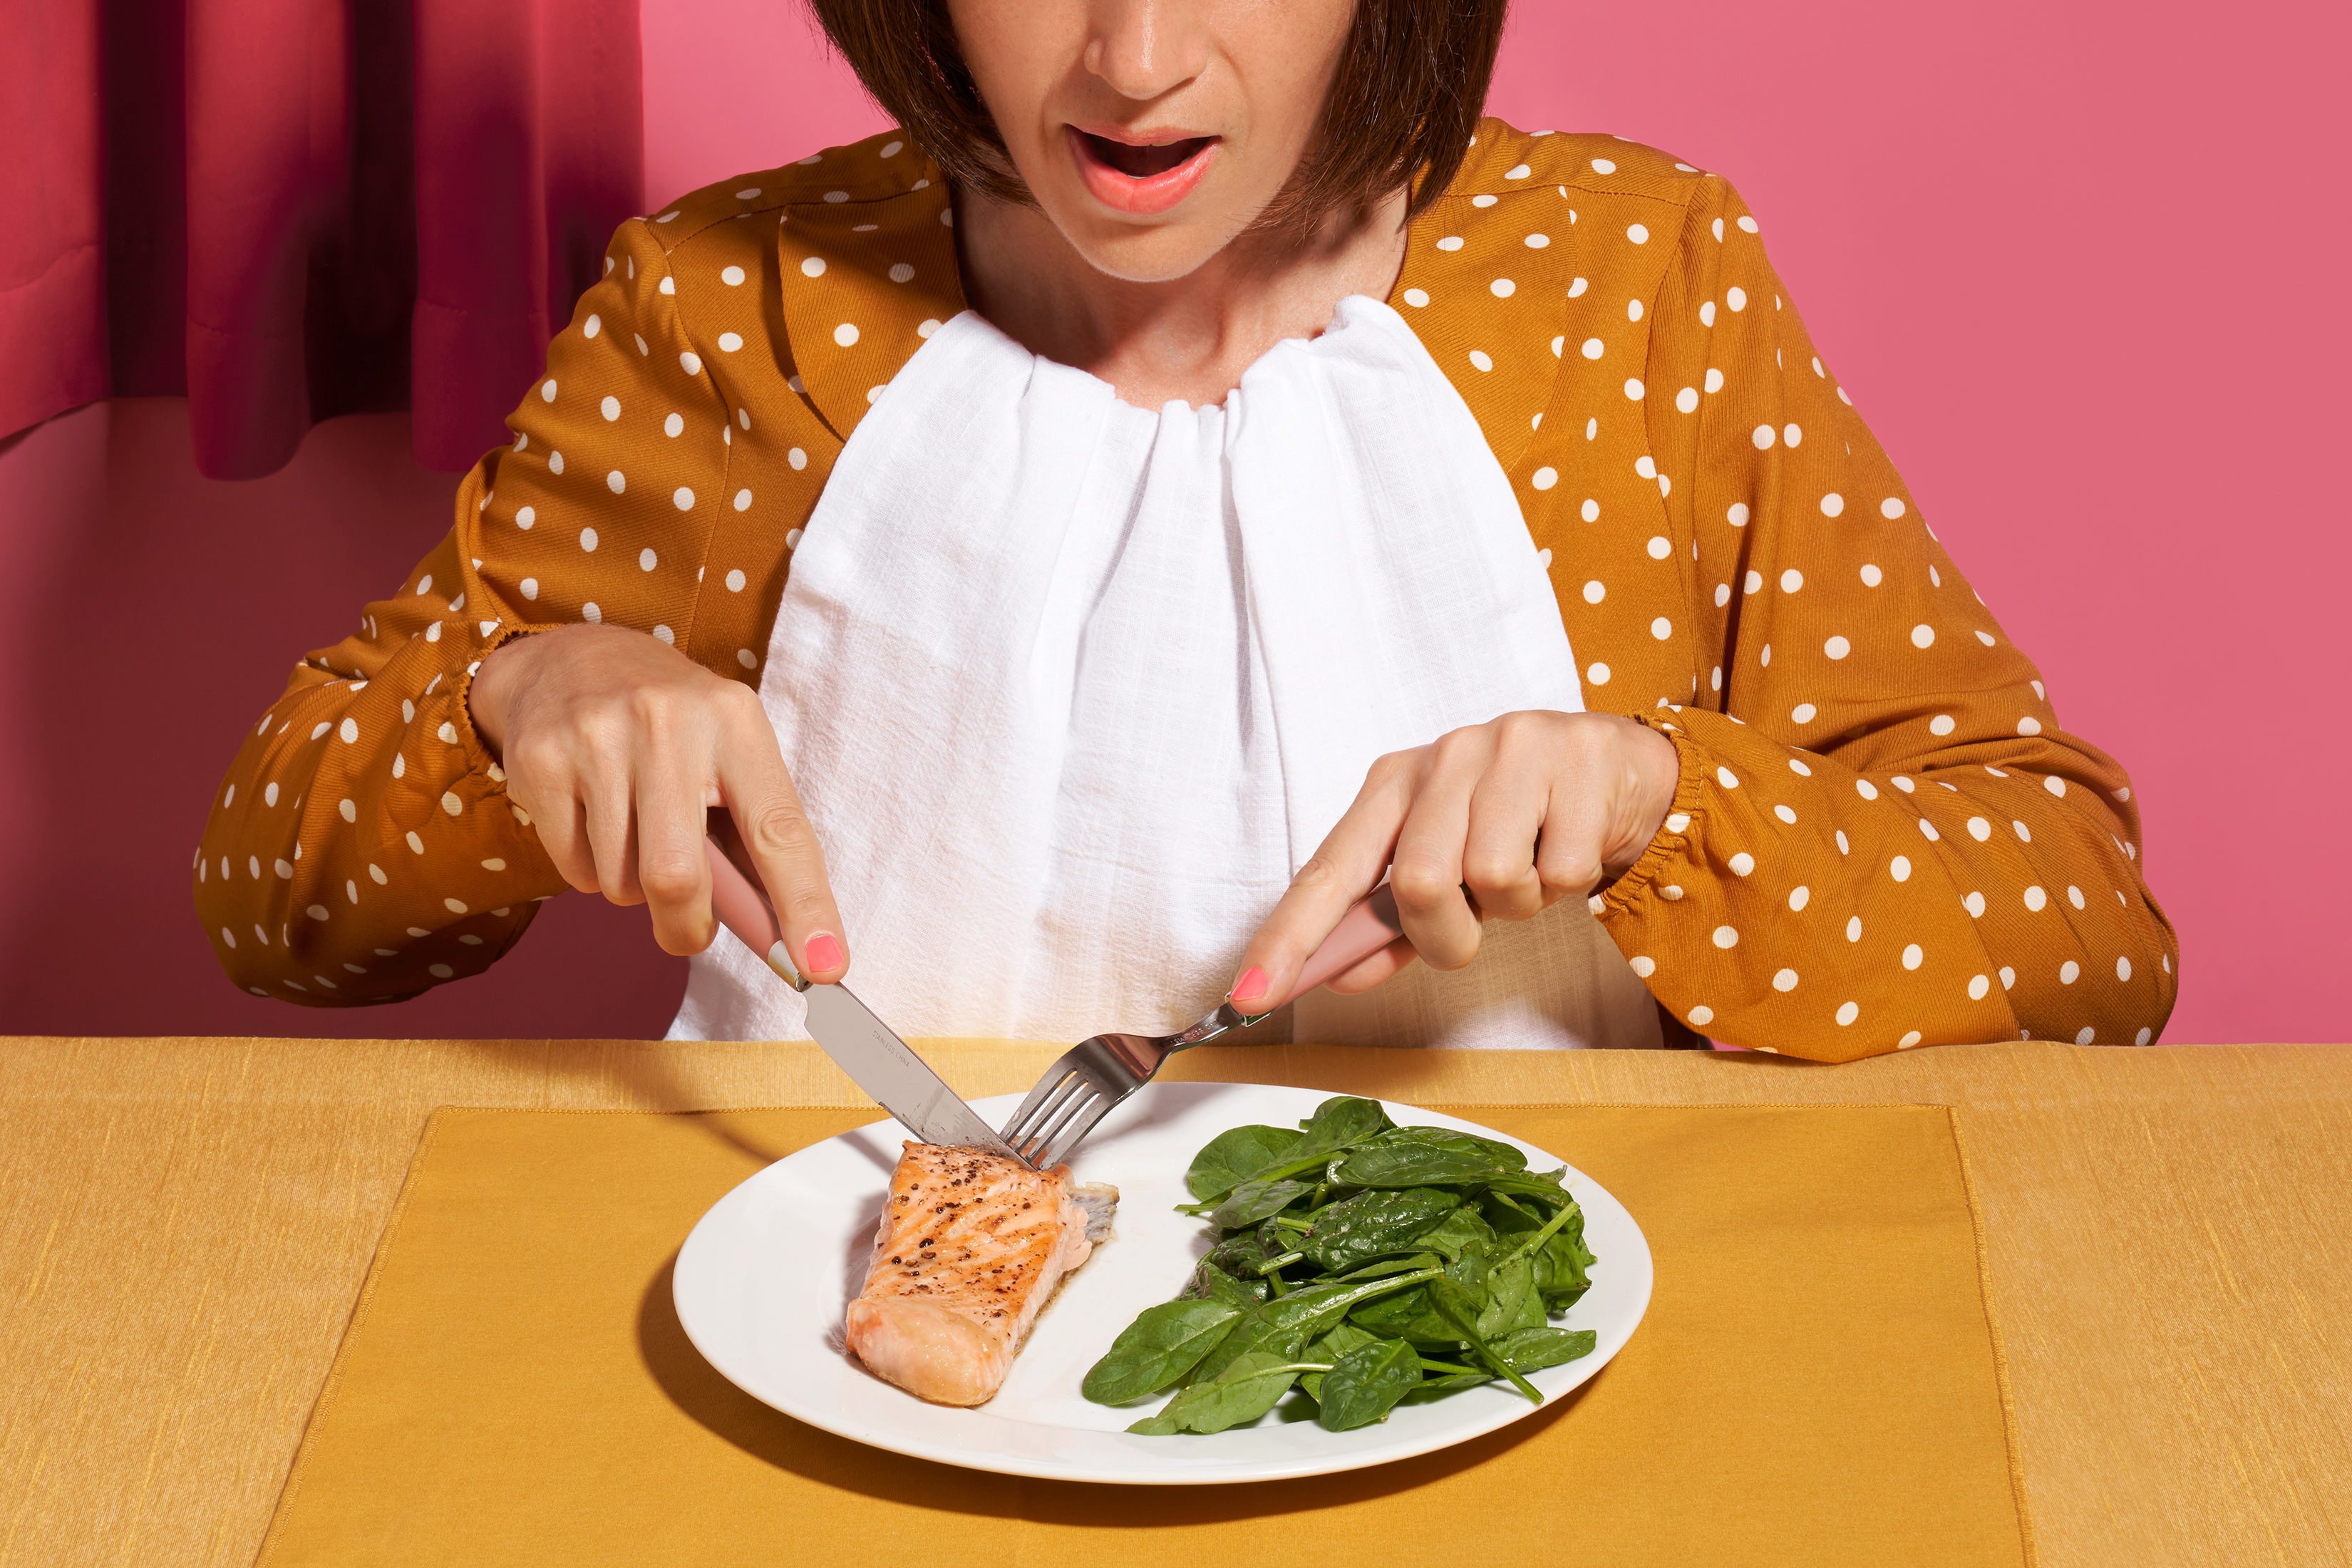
{"x": 1087, "y": 1081}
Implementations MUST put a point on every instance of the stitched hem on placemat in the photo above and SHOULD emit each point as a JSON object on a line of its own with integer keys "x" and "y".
{"x": 2000, "y": 1348}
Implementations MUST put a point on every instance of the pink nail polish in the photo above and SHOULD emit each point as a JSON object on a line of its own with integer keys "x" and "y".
{"x": 1251, "y": 986}
{"x": 823, "y": 953}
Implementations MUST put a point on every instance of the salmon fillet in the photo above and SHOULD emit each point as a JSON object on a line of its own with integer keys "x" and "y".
{"x": 970, "y": 1246}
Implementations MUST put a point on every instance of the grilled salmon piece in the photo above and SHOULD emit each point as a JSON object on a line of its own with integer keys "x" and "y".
{"x": 972, "y": 1245}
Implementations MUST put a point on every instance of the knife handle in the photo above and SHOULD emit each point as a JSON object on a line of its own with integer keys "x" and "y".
{"x": 1362, "y": 931}
{"x": 742, "y": 909}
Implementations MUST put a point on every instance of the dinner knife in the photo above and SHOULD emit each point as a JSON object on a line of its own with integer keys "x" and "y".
{"x": 860, "y": 1044}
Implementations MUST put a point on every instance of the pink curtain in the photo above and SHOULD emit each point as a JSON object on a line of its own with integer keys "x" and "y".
{"x": 291, "y": 209}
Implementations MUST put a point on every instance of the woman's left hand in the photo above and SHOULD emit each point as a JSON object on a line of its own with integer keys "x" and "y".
{"x": 1499, "y": 820}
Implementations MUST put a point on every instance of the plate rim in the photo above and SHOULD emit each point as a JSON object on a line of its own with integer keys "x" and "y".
{"x": 842, "y": 1423}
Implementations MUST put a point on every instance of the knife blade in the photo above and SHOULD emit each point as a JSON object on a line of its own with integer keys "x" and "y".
{"x": 885, "y": 1066}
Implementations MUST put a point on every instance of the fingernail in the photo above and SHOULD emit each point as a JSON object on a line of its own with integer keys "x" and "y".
{"x": 823, "y": 953}
{"x": 1251, "y": 986}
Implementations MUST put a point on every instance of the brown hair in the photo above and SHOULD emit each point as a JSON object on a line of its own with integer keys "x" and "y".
{"x": 1402, "y": 107}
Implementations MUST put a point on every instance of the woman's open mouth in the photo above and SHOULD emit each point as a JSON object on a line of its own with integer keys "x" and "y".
{"x": 1142, "y": 177}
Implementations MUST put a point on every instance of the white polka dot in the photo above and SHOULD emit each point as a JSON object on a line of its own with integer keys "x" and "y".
{"x": 1736, "y": 297}
{"x": 1480, "y": 358}
{"x": 2025, "y": 834}
{"x": 1678, "y": 821}
{"x": 530, "y": 586}
{"x": 1503, "y": 287}
{"x": 1891, "y": 508}
{"x": 1700, "y": 1017}
{"x": 1417, "y": 298}
{"x": 1786, "y": 980}
{"x": 1913, "y": 957}
{"x": 1594, "y": 348}
{"x": 547, "y": 390}
{"x": 1804, "y": 713}
{"x": 1791, "y": 580}
{"x": 1742, "y": 864}
{"x": 747, "y": 658}
{"x": 1637, "y": 234}
{"x": 440, "y": 970}
{"x": 2029, "y": 725}
{"x": 588, "y": 539}
{"x": 1837, "y": 648}
{"x": 1764, "y": 437}
{"x": 691, "y": 361}
{"x": 1634, "y": 389}
{"x": 1848, "y": 1014}
{"x": 730, "y": 341}
{"x": 2035, "y": 899}
{"x": 1748, "y": 223}
{"x": 1603, "y": 166}
{"x": 555, "y": 462}
{"x": 1544, "y": 478}
{"x": 1832, "y": 504}
{"x": 1941, "y": 724}
{"x": 668, "y": 286}
{"x": 1538, "y": 241}
{"x": 1726, "y": 778}
{"x": 1793, "y": 434}
{"x": 1899, "y": 867}
{"x": 742, "y": 501}
{"x": 1800, "y": 897}
{"x": 1647, "y": 466}
{"x": 793, "y": 538}
{"x": 1450, "y": 242}
{"x": 647, "y": 559}
{"x": 2008, "y": 977}
{"x": 1483, "y": 200}
{"x": 796, "y": 458}
{"x": 1658, "y": 547}
{"x": 1908, "y": 1040}
{"x": 1596, "y": 675}
{"x": 1644, "y": 966}
{"x": 732, "y": 275}
{"x": 683, "y": 499}
{"x": 2069, "y": 972}
{"x": 609, "y": 408}
{"x": 1661, "y": 628}
{"x": 1686, "y": 400}
{"x": 616, "y": 481}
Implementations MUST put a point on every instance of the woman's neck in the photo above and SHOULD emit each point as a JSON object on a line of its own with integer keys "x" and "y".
{"x": 1186, "y": 339}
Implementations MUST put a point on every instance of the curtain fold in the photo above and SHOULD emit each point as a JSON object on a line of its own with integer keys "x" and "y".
{"x": 291, "y": 209}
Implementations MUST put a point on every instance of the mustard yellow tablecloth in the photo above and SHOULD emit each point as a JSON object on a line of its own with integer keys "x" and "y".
{"x": 1815, "y": 1381}
{"x": 186, "y": 1225}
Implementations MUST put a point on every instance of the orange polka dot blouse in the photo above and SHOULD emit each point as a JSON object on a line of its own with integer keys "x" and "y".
{"x": 1882, "y": 837}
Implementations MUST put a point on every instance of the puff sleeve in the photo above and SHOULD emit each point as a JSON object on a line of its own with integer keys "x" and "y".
{"x": 1882, "y": 836}
{"x": 362, "y": 847}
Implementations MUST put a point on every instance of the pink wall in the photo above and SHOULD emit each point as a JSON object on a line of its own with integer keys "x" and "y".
{"x": 2081, "y": 263}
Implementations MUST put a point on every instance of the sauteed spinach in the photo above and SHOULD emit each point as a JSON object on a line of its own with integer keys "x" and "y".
{"x": 1366, "y": 1264}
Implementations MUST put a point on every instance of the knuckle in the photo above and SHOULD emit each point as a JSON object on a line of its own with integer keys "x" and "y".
{"x": 1320, "y": 871}
{"x": 775, "y": 827}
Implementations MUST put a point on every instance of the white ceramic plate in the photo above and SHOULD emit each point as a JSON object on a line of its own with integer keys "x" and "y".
{"x": 762, "y": 1281}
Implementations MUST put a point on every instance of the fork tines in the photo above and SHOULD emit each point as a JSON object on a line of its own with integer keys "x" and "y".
{"x": 1062, "y": 1109}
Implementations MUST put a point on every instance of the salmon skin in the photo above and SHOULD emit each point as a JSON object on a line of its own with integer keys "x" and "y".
{"x": 970, "y": 1247}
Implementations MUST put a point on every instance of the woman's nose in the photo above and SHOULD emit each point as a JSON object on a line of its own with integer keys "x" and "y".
{"x": 1145, "y": 49}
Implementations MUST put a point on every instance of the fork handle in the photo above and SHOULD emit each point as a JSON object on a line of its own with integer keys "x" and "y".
{"x": 1362, "y": 931}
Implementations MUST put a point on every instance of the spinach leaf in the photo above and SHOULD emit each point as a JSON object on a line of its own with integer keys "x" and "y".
{"x": 1231, "y": 1157}
{"x": 1257, "y": 1200}
{"x": 1408, "y": 1316}
{"x": 1461, "y": 1230}
{"x": 1340, "y": 1122}
{"x": 1157, "y": 1349}
{"x": 1531, "y": 1349}
{"x": 1365, "y": 1384}
{"x": 1247, "y": 1389}
{"x": 1503, "y": 1155}
{"x": 1459, "y": 1307}
{"x": 1411, "y": 1164}
{"x": 1329, "y": 1346}
{"x": 1211, "y": 1283}
{"x": 1287, "y": 1322}
{"x": 1507, "y": 1287}
{"x": 1356, "y": 1230}
{"x": 1561, "y": 1262}
{"x": 1394, "y": 1265}
{"x": 1238, "y": 1255}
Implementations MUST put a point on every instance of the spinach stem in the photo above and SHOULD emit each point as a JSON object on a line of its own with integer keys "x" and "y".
{"x": 1277, "y": 1264}
{"x": 1550, "y": 1228}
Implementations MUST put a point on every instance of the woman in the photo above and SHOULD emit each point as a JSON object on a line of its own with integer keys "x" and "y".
{"x": 1565, "y": 589}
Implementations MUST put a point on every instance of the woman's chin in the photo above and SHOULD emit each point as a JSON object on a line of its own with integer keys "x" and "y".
{"x": 1154, "y": 253}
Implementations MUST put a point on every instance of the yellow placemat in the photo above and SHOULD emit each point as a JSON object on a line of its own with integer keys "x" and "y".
{"x": 1816, "y": 1381}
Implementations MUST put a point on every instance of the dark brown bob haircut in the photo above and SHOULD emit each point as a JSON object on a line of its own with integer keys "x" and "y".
{"x": 1403, "y": 105}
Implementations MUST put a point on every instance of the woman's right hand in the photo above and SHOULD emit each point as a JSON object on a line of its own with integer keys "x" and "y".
{"x": 617, "y": 744}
